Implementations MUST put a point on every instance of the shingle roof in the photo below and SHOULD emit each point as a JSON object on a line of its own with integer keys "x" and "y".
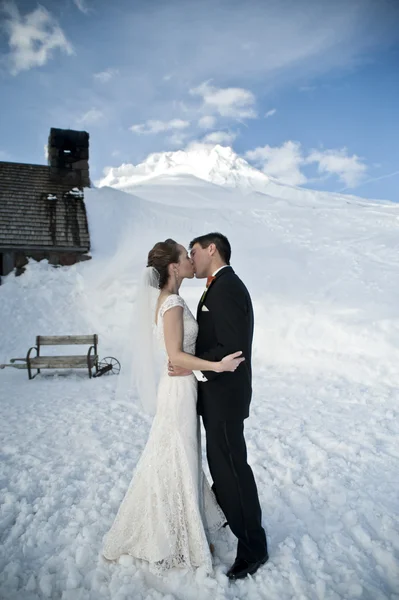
{"x": 35, "y": 210}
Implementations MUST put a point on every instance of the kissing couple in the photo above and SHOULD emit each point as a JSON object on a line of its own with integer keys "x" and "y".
{"x": 170, "y": 512}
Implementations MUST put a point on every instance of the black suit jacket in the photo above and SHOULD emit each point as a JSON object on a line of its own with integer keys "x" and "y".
{"x": 227, "y": 326}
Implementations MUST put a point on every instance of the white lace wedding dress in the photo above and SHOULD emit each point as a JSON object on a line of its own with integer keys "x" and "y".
{"x": 169, "y": 509}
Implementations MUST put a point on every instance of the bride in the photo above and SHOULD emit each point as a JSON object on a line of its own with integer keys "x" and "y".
{"x": 169, "y": 510}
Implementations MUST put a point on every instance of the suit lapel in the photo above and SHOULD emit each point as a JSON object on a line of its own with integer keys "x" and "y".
{"x": 222, "y": 272}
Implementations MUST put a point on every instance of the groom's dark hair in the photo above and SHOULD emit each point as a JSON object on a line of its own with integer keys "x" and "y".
{"x": 221, "y": 242}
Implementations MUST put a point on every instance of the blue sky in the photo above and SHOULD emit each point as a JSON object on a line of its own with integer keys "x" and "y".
{"x": 306, "y": 90}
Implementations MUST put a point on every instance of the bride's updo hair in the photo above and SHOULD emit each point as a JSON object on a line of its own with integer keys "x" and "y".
{"x": 161, "y": 256}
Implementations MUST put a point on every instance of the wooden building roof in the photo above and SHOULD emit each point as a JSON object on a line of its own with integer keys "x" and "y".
{"x": 39, "y": 210}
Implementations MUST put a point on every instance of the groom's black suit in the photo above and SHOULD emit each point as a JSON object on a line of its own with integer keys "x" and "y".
{"x": 223, "y": 401}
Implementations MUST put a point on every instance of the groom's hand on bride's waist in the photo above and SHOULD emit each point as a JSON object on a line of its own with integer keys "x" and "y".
{"x": 177, "y": 371}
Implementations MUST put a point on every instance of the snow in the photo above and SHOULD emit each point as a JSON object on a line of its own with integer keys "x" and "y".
{"x": 322, "y": 436}
{"x": 215, "y": 164}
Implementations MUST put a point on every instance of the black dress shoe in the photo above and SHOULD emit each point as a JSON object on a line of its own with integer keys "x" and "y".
{"x": 242, "y": 568}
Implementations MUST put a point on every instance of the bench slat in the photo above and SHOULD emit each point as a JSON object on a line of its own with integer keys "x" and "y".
{"x": 66, "y": 340}
{"x": 60, "y": 362}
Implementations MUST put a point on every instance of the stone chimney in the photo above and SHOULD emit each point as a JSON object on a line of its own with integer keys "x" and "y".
{"x": 68, "y": 157}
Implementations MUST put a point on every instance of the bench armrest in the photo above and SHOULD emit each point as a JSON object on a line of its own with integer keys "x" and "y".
{"x": 92, "y": 352}
{"x": 28, "y": 363}
{"x": 29, "y": 351}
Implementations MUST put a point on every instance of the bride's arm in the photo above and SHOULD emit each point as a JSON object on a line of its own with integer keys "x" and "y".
{"x": 173, "y": 333}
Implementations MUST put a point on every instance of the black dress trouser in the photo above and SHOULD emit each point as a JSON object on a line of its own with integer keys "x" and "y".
{"x": 234, "y": 485}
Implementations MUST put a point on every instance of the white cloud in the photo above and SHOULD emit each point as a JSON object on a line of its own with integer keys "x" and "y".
{"x": 105, "y": 76}
{"x": 3, "y": 155}
{"x": 349, "y": 169}
{"x": 152, "y": 126}
{"x": 270, "y": 113}
{"x": 220, "y": 137}
{"x": 82, "y": 6}
{"x": 282, "y": 162}
{"x": 207, "y": 122}
{"x": 178, "y": 139}
{"x": 90, "y": 117}
{"x": 285, "y": 162}
{"x": 231, "y": 102}
{"x": 32, "y": 38}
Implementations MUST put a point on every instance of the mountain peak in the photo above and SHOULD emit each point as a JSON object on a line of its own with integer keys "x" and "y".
{"x": 216, "y": 164}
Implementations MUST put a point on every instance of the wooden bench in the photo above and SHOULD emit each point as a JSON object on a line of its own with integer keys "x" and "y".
{"x": 84, "y": 361}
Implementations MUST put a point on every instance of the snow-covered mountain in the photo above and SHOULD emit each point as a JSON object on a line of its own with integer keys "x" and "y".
{"x": 218, "y": 165}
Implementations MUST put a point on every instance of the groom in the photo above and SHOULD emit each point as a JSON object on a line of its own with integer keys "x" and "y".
{"x": 226, "y": 322}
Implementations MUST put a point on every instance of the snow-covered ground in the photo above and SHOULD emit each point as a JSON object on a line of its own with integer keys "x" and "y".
{"x": 322, "y": 437}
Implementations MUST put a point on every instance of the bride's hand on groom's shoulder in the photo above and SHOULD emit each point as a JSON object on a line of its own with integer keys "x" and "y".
{"x": 177, "y": 371}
